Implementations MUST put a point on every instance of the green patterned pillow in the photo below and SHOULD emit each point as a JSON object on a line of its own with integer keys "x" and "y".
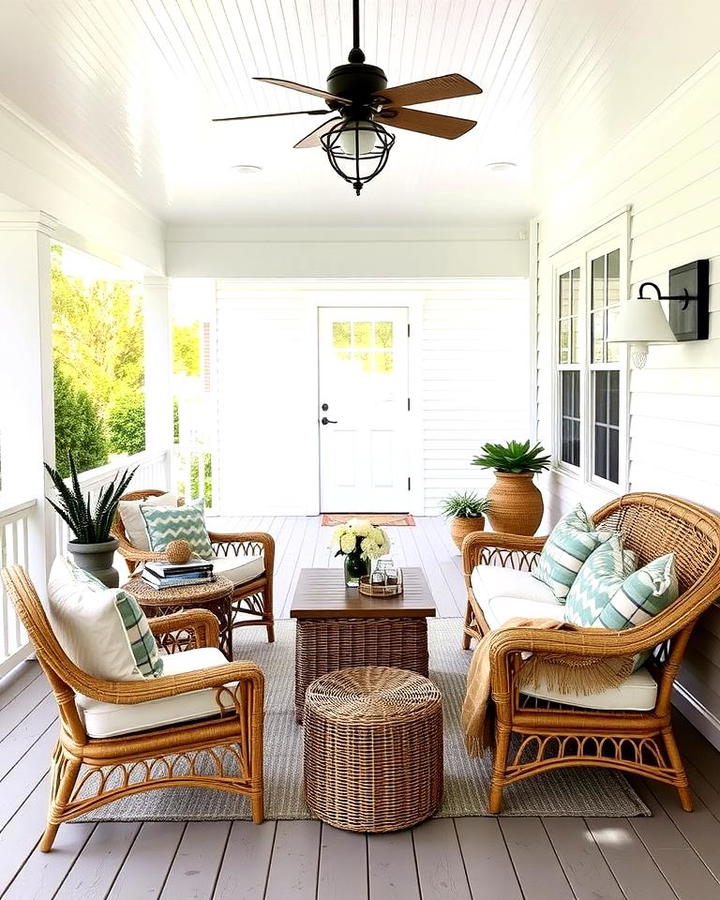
{"x": 178, "y": 523}
{"x": 569, "y": 544}
{"x": 142, "y": 641}
{"x": 599, "y": 578}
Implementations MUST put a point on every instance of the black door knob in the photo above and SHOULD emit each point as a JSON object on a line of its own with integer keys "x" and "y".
{"x": 326, "y": 421}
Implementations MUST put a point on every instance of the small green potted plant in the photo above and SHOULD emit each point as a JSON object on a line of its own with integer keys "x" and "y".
{"x": 466, "y": 512}
{"x": 93, "y": 547}
{"x": 517, "y": 504}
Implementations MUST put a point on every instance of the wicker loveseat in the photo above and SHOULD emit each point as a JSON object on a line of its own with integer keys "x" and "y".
{"x": 633, "y": 731}
{"x": 211, "y": 713}
{"x": 246, "y": 558}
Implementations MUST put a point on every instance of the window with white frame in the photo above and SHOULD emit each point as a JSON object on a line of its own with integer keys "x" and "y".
{"x": 590, "y": 380}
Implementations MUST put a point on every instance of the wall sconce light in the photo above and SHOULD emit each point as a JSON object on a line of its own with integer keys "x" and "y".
{"x": 642, "y": 322}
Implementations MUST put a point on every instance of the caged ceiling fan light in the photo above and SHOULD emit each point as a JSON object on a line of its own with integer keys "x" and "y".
{"x": 356, "y": 141}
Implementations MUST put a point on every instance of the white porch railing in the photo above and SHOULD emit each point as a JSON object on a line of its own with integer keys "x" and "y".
{"x": 153, "y": 472}
{"x": 14, "y": 550}
{"x": 193, "y": 475}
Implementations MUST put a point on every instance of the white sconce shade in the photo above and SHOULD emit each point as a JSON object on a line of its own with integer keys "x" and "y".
{"x": 639, "y": 323}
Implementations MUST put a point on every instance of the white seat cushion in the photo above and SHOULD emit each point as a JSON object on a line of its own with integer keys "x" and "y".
{"x": 239, "y": 569}
{"x": 104, "y": 720}
{"x": 638, "y": 692}
{"x": 508, "y": 588}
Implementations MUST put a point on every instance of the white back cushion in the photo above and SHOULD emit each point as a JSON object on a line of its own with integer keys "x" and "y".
{"x": 133, "y": 521}
{"x": 88, "y": 626}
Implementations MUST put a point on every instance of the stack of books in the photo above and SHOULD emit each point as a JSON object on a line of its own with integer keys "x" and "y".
{"x": 163, "y": 575}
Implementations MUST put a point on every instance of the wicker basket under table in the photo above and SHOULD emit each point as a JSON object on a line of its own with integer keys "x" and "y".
{"x": 373, "y": 748}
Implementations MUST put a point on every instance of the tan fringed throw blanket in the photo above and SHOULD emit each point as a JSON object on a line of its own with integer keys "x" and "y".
{"x": 565, "y": 674}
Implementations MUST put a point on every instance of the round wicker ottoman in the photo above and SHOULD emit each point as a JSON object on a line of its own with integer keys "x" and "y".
{"x": 373, "y": 748}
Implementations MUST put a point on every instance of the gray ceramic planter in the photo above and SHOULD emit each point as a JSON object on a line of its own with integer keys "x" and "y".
{"x": 97, "y": 559}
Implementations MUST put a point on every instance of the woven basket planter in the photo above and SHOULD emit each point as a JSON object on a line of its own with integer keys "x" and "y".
{"x": 373, "y": 749}
{"x": 461, "y": 527}
{"x": 517, "y": 504}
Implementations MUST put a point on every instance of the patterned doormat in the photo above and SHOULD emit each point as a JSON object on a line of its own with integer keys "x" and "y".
{"x": 583, "y": 791}
{"x": 375, "y": 518}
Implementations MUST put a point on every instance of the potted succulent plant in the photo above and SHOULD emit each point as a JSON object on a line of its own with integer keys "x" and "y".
{"x": 466, "y": 512}
{"x": 517, "y": 504}
{"x": 93, "y": 547}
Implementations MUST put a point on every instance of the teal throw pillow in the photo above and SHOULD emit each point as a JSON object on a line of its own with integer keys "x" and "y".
{"x": 599, "y": 578}
{"x": 569, "y": 544}
{"x": 178, "y": 523}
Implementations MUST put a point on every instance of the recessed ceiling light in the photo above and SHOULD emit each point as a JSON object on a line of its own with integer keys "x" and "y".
{"x": 247, "y": 170}
{"x": 500, "y": 166}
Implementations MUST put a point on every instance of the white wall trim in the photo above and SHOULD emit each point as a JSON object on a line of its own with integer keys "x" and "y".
{"x": 706, "y": 722}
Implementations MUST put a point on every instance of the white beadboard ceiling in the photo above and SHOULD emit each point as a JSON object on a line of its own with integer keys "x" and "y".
{"x": 132, "y": 84}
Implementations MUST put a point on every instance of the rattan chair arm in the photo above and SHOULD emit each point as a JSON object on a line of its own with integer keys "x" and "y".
{"x": 246, "y": 537}
{"x": 201, "y": 622}
{"x": 475, "y": 543}
{"x": 141, "y": 691}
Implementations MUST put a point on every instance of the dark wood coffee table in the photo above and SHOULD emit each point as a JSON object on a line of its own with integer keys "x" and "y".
{"x": 338, "y": 627}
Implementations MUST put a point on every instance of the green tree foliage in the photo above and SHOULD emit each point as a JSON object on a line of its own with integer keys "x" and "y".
{"x": 186, "y": 349}
{"x": 78, "y": 427}
{"x": 126, "y": 424}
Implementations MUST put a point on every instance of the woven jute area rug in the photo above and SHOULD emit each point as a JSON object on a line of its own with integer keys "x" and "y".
{"x": 569, "y": 792}
{"x": 376, "y": 518}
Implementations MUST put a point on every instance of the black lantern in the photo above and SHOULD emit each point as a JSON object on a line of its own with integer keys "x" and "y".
{"x": 358, "y": 150}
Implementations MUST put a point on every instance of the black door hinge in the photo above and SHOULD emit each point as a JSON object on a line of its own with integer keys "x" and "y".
{"x": 408, "y": 404}
{"x": 408, "y": 329}
{"x": 408, "y": 482}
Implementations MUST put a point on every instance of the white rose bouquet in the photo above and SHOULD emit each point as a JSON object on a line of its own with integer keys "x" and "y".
{"x": 358, "y": 536}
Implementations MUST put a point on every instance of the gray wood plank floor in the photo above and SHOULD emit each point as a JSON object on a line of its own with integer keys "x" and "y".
{"x": 672, "y": 856}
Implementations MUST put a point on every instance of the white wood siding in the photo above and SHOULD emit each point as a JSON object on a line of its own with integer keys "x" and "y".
{"x": 667, "y": 171}
{"x": 468, "y": 384}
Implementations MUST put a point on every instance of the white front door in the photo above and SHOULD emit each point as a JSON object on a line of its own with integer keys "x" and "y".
{"x": 363, "y": 409}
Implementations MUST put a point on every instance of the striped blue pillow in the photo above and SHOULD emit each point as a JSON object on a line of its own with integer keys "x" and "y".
{"x": 569, "y": 544}
{"x": 599, "y": 578}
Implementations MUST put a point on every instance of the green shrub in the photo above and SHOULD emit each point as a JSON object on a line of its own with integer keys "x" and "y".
{"x": 126, "y": 424}
{"x": 78, "y": 427}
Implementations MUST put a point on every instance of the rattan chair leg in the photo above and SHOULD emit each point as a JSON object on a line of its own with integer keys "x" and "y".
{"x": 497, "y": 781}
{"x": 64, "y": 774}
{"x": 467, "y": 637}
{"x": 680, "y": 780}
{"x": 271, "y": 634}
{"x": 258, "y": 809}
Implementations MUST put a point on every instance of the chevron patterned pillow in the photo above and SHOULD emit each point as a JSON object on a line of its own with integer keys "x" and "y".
{"x": 569, "y": 544}
{"x": 598, "y": 579}
{"x": 178, "y": 523}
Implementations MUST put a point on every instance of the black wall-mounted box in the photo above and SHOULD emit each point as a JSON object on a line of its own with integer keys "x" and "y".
{"x": 689, "y": 318}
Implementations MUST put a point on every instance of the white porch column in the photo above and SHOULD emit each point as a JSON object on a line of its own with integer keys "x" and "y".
{"x": 158, "y": 368}
{"x": 27, "y": 419}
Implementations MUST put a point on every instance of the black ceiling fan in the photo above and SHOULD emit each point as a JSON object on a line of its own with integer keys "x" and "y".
{"x": 355, "y": 140}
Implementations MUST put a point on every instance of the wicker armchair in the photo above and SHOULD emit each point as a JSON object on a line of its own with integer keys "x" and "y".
{"x": 224, "y": 752}
{"x": 553, "y": 735}
{"x": 253, "y": 598}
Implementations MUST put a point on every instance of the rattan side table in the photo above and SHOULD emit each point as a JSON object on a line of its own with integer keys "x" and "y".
{"x": 373, "y": 748}
{"x": 215, "y": 595}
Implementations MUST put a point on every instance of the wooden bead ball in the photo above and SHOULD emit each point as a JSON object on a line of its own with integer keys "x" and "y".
{"x": 178, "y": 552}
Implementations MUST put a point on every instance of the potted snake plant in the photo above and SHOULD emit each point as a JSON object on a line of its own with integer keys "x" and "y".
{"x": 517, "y": 504}
{"x": 93, "y": 547}
{"x": 466, "y": 512}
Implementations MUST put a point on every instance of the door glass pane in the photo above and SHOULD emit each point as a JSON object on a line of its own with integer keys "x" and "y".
{"x": 362, "y": 334}
{"x": 384, "y": 362}
{"x": 342, "y": 355}
{"x": 364, "y": 360}
{"x": 597, "y": 285}
{"x": 383, "y": 334}
{"x": 341, "y": 334}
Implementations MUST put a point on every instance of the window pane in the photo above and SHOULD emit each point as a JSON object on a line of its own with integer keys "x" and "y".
{"x": 575, "y": 443}
{"x": 600, "y": 379}
{"x": 575, "y": 392}
{"x": 341, "y": 334}
{"x": 597, "y": 285}
{"x": 564, "y": 349}
{"x": 612, "y": 351}
{"x": 362, "y": 334}
{"x": 613, "y": 397}
{"x": 613, "y": 469}
{"x": 613, "y": 278}
{"x": 597, "y": 335}
{"x": 565, "y": 294}
{"x": 575, "y": 292}
{"x": 570, "y": 417}
{"x": 574, "y": 341}
{"x": 383, "y": 334}
{"x": 364, "y": 360}
{"x": 384, "y": 362}
{"x": 600, "y": 451}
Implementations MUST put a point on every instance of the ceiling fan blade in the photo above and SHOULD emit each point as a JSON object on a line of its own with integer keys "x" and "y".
{"x": 444, "y": 87}
{"x": 313, "y": 139}
{"x": 304, "y": 89}
{"x": 298, "y": 112}
{"x": 449, "y": 127}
